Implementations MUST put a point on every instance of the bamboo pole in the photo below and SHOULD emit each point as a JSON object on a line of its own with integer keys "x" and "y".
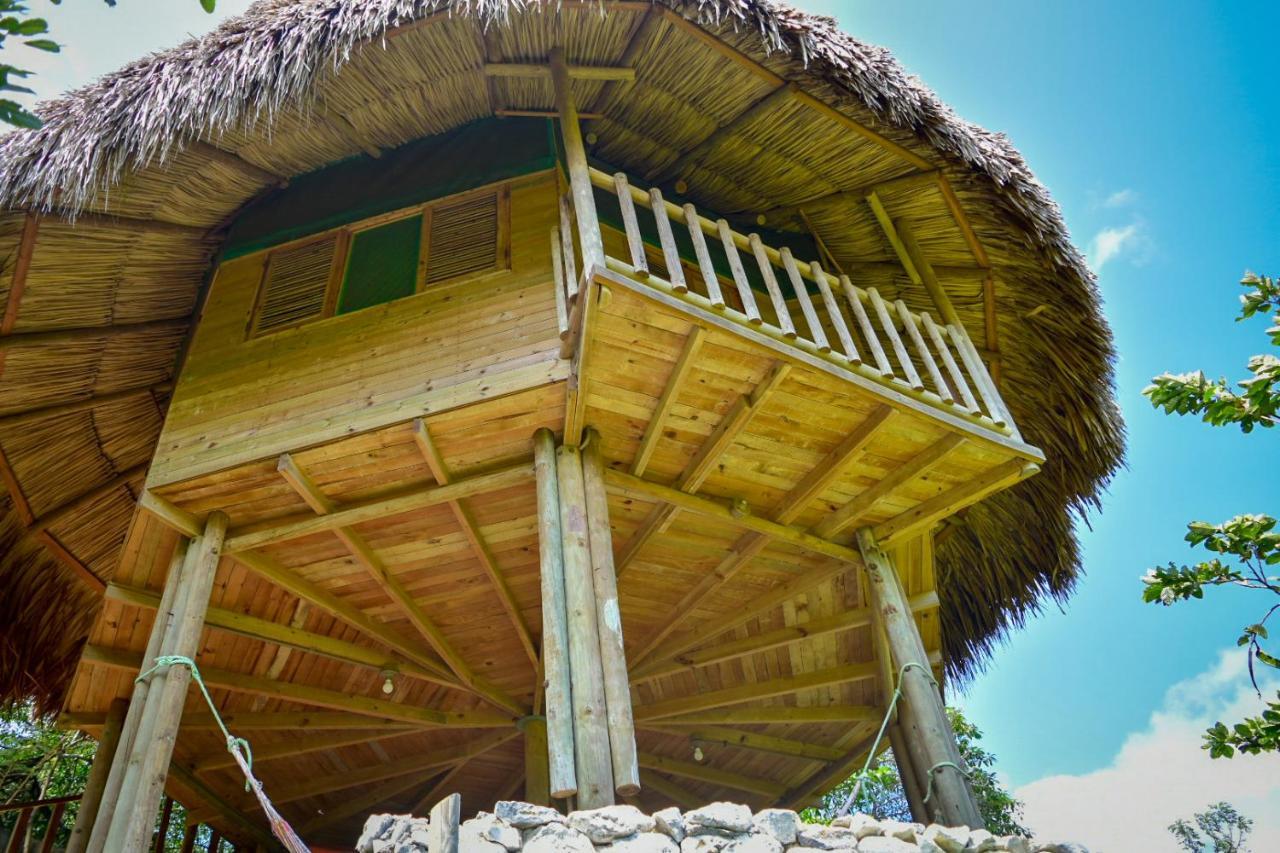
{"x": 613, "y": 656}
{"x": 133, "y": 716}
{"x": 555, "y": 630}
{"x": 136, "y": 816}
{"x": 591, "y": 730}
{"x": 91, "y": 800}
{"x": 537, "y": 778}
{"x": 575, "y": 154}
{"x": 923, "y": 716}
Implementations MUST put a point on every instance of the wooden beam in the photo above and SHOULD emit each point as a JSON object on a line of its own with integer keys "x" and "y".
{"x": 675, "y": 382}
{"x": 930, "y": 512}
{"x": 895, "y": 240}
{"x": 725, "y": 736}
{"x": 623, "y": 482}
{"x": 391, "y": 586}
{"x": 239, "y": 682}
{"x": 710, "y": 775}
{"x": 832, "y": 466}
{"x": 505, "y": 113}
{"x": 365, "y": 803}
{"x": 177, "y": 518}
{"x": 471, "y": 532}
{"x": 23, "y": 417}
{"x": 314, "y": 786}
{"x": 11, "y": 483}
{"x": 781, "y": 714}
{"x": 65, "y": 337}
{"x": 826, "y": 777}
{"x": 755, "y": 691}
{"x": 901, "y": 151}
{"x": 295, "y": 638}
{"x": 737, "y": 419}
{"x": 287, "y": 721}
{"x": 299, "y": 746}
{"x": 369, "y": 510}
{"x": 917, "y": 466}
{"x": 843, "y": 621}
{"x": 687, "y": 800}
{"x": 543, "y": 72}
{"x": 962, "y": 219}
{"x": 55, "y": 547}
{"x": 21, "y": 266}
{"x": 224, "y": 808}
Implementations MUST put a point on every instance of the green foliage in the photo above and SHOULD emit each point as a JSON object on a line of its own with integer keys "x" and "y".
{"x": 37, "y": 761}
{"x": 881, "y": 794}
{"x": 1257, "y": 404}
{"x": 1218, "y": 829}
{"x": 16, "y": 22}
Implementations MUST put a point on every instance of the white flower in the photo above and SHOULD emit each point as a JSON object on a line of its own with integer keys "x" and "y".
{"x": 1150, "y": 577}
{"x": 1167, "y": 596}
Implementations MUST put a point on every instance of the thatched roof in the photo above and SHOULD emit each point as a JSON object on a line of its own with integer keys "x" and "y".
{"x": 173, "y": 145}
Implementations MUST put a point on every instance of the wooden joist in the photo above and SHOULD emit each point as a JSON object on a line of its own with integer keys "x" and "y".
{"x": 576, "y": 72}
{"x": 784, "y": 714}
{"x": 391, "y": 586}
{"x": 925, "y": 515}
{"x": 675, "y": 382}
{"x": 239, "y": 682}
{"x": 297, "y": 746}
{"x": 235, "y": 816}
{"x": 711, "y": 775}
{"x": 826, "y": 777}
{"x": 361, "y": 511}
{"x": 364, "y": 803}
{"x": 471, "y": 531}
{"x": 18, "y": 280}
{"x": 725, "y": 736}
{"x": 287, "y": 721}
{"x": 754, "y": 692}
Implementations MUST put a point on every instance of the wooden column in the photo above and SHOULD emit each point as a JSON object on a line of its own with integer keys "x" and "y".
{"x": 557, "y": 704}
{"x": 110, "y": 796}
{"x": 575, "y": 155}
{"x": 923, "y": 717}
{"x": 134, "y": 816}
{"x": 91, "y": 800}
{"x": 590, "y": 727}
{"x": 537, "y": 781}
{"x": 613, "y": 656}
{"x": 909, "y": 774}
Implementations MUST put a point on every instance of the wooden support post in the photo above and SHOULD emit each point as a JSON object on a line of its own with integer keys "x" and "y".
{"x": 923, "y": 717}
{"x": 575, "y": 154}
{"x": 590, "y": 729}
{"x": 613, "y": 656}
{"x": 558, "y": 725}
{"x": 133, "y": 716}
{"x": 134, "y": 815}
{"x": 91, "y": 800}
{"x": 537, "y": 779}
{"x": 910, "y": 776}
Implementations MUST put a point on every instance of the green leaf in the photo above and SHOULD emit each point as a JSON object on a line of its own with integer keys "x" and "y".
{"x": 207, "y": 5}
{"x": 13, "y": 113}
{"x": 47, "y": 45}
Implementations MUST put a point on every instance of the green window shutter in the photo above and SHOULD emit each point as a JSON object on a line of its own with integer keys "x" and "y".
{"x": 464, "y": 238}
{"x": 294, "y": 287}
{"x": 382, "y": 264}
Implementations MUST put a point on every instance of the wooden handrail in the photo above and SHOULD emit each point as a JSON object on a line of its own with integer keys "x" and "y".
{"x": 942, "y": 352}
{"x": 35, "y": 804}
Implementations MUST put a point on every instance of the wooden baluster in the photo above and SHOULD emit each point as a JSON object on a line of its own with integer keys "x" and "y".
{"x": 557, "y": 269}
{"x": 895, "y": 340}
{"x": 837, "y": 318}
{"x": 739, "y": 274}
{"x": 978, "y": 371}
{"x": 630, "y": 224}
{"x": 930, "y": 365}
{"x": 708, "y": 269}
{"x": 670, "y": 253}
{"x": 51, "y": 830}
{"x": 18, "y": 836}
{"x": 949, "y": 362}
{"x": 566, "y": 249}
{"x": 162, "y": 830}
{"x": 864, "y": 323}
{"x": 771, "y": 284}
{"x": 189, "y": 837}
{"x": 817, "y": 334}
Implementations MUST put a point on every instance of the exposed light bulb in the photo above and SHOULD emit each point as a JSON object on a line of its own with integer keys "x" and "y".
{"x": 697, "y": 753}
{"x": 388, "y": 686}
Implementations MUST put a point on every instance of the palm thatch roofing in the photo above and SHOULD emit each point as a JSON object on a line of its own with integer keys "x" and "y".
{"x": 115, "y": 207}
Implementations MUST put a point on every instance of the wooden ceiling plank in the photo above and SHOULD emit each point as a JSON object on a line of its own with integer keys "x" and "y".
{"x": 917, "y": 466}
{"x": 711, "y": 775}
{"x": 253, "y": 721}
{"x": 684, "y": 798}
{"x": 780, "y": 714}
{"x": 297, "y": 746}
{"x": 726, "y": 736}
{"x": 709, "y": 700}
{"x": 470, "y": 530}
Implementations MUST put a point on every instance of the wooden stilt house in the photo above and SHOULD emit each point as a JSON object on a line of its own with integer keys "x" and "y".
{"x": 613, "y": 401}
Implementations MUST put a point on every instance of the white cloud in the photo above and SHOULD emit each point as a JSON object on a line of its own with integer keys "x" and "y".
{"x": 1110, "y": 242}
{"x": 1161, "y": 774}
{"x": 1120, "y": 198}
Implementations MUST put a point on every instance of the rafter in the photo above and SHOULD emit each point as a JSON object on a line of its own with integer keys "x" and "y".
{"x": 675, "y": 382}
{"x": 361, "y": 511}
{"x": 364, "y": 803}
{"x": 784, "y": 714}
{"x": 725, "y": 736}
{"x": 755, "y": 692}
{"x": 253, "y": 721}
{"x": 470, "y": 530}
{"x": 930, "y": 512}
{"x": 737, "y": 419}
{"x": 239, "y": 682}
{"x": 825, "y": 778}
{"x": 711, "y": 775}
{"x": 18, "y": 279}
{"x": 391, "y": 586}
{"x": 298, "y": 746}
{"x": 917, "y": 466}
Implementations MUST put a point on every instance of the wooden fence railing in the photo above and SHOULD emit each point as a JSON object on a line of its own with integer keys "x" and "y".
{"x": 828, "y": 316}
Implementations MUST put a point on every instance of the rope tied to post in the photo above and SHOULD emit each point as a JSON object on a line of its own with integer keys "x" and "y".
{"x": 861, "y": 775}
{"x": 240, "y": 750}
{"x": 935, "y": 768}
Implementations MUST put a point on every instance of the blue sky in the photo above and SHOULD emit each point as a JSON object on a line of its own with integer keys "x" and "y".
{"x": 1150, "y": 123}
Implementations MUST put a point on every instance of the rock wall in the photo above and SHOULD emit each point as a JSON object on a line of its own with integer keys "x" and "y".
{"x": 516, "y": 827}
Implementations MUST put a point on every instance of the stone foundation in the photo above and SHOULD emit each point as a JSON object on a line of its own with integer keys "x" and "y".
{"x": 516, "y": 827}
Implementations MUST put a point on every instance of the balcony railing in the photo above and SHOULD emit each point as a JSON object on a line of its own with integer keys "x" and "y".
{"x": 823, "y": 315}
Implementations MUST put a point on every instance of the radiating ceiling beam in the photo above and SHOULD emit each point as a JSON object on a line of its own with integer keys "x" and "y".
{"x": 725, "y": 736}
{"x": 543, "y": 72}
{"x": 757, "y": 691}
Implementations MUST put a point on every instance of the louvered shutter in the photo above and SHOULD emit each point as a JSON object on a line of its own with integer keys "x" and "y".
{"x": 296, "y": 282}
{"x": 464, "y": 238}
